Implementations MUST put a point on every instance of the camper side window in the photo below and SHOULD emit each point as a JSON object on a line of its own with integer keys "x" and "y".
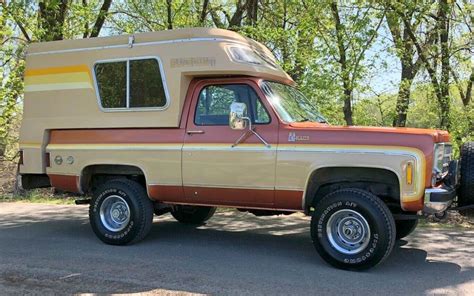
{"x": 130, "y": 84}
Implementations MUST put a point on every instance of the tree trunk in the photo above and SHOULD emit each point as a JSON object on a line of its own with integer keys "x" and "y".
{"x": 444, "y": 100}
{"x": 304, "y": 44}
{"x": 86, "y": 25}
{"x": 51, "y": 19}
{"x": 404, "y": 92}
{"x": 169, "y": 14}
{"x": 252, "y": 9}
{"x": 236, "y": 20}
{"x": 346, "y": 82}
{"x": 204, "y": 11}
{"x": 468, "y": 97}
{"x": 104, "y": 9}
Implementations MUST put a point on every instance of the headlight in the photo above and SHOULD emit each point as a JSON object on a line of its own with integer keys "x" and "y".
{"x": 441, "y": 158}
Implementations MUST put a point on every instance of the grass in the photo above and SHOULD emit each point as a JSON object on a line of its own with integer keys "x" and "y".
{"x": 39, "y": 196}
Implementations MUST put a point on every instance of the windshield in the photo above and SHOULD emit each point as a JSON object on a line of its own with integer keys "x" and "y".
{"x": 291, "y": 104}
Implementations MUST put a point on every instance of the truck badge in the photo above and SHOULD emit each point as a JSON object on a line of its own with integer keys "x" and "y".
{"x": 292, "y": 137}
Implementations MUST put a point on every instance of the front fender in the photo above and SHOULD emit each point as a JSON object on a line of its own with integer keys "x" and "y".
{"x": 297, "y": 163}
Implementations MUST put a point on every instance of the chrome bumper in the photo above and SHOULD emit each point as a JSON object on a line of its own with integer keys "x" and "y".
{"x": 438, "y": 200}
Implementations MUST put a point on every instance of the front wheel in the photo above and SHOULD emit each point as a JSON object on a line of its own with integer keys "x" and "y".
{"x": 352, "y": 229}
{"x": 120, "y": 212}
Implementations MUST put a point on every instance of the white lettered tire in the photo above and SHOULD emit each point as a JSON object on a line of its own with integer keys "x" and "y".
{"x": 352, "y": 229}
{"x": 120, "y": 212}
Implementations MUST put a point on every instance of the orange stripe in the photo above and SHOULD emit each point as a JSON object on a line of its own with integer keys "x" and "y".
{"x": 58, "y": 70}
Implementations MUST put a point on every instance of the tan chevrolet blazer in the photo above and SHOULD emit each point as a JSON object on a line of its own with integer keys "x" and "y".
{"x": 184, "y": 121}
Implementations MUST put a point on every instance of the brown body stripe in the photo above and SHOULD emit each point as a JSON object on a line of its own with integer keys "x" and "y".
{"x": 64, "y": 182}
{"x": 235, "y": 197}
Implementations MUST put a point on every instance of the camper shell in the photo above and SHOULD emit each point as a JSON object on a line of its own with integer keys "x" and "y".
{"x": 61, "y": 87}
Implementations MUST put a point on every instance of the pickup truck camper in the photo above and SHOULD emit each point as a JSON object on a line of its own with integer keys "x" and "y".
{"x": 184, "y": 121}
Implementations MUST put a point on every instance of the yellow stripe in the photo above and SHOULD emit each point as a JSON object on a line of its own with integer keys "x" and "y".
{"x": 57, "y": 70}
{"x": 58, "y": 78}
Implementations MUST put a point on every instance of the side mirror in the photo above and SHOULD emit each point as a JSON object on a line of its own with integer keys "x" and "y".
{"x": 237, "y": 117}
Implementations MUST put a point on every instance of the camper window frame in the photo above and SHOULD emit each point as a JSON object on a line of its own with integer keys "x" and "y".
{"x": 128, "y": 108}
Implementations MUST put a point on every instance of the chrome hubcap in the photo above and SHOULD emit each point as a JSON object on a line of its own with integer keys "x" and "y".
{"x": 114, "y": 213}
{"x": 348, "y": 231}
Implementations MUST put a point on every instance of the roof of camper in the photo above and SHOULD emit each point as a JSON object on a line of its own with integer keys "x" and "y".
{"x": 169, "y": 35}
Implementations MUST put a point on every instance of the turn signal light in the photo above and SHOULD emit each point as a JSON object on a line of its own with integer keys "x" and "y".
{"x": 409, "y": 172}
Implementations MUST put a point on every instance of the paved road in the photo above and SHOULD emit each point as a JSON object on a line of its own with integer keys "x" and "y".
{"x": 47, "y": 249}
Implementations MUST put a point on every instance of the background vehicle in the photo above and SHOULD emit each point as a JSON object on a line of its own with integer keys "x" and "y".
{"x": 185, "y": 121}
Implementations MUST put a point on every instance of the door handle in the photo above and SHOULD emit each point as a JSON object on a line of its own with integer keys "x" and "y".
{"x": 195, "y": 132}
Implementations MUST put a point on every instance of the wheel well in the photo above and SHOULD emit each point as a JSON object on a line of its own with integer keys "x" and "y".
{"x": 94, "y": 175}
{"x": 381, "y": 182}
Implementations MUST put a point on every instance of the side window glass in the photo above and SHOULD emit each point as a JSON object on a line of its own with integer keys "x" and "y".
{"x": 112, "y": 84}
{"x": 130, "y": 84}
{"x": 146, "y": 85}
{"x": 214, "y": 104}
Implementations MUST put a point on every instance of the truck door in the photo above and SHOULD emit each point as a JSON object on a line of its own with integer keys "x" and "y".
{"x": 218, "y": 171}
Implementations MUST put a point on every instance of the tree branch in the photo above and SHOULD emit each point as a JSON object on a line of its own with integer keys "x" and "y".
{"x": 204, "y": 12}
{"x": 19, "y": 24}
{"x": 101, "y": 18}
{"x": 364, "y": 49}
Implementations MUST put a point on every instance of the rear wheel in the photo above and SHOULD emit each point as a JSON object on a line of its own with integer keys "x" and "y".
{"x": 120, "y": 212}
{"x": 352, "y": 229}
{"x": 405, "y": 227}
{"x": 192, "y": 214}
{"x": 466, "y": 188}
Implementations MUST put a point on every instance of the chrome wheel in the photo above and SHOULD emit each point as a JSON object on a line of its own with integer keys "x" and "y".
{"x": 348, "y": 231}
{"x": 114, "y": 213}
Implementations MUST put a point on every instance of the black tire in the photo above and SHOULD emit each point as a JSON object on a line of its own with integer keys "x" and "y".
{"x": 356, "y": 203}
{"x": 405, "y": 227}
{"x": 121, "y": 191}
{"x": 466, "y": 187}
{"x": 192, "y": 214}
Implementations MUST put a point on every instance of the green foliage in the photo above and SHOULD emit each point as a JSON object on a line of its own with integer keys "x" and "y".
{"x": 305, "y": 37}
{"x": 375, "y": 111}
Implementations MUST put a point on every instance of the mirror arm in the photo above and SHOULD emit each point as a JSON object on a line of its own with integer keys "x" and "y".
{"x": 250, "y": 130}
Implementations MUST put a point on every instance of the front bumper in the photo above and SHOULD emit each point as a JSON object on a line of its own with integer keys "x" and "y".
{"x": 439, "y": 199}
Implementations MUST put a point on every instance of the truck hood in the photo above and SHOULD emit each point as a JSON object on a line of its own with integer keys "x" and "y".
{"x": 435, "y": 135}
{"x": 323, "y": 134}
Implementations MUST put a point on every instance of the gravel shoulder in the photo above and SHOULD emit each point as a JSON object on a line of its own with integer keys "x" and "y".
{"x": 50, "y": 249}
